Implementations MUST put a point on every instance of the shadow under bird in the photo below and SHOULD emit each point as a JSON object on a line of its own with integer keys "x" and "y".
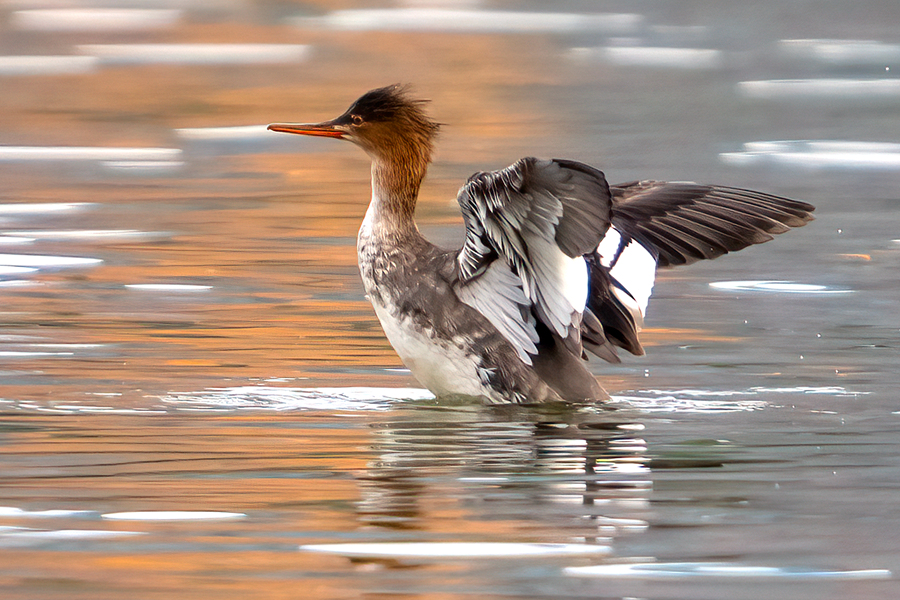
{"x": 555, "y": 263}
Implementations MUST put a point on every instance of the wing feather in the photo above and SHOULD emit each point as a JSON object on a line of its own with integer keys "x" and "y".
{"x": 497, "y": 294}
{"x": 539, "y": 217}
{"x": 544, "y": 239}
{"x": 678, "y": 223}
{"x": 686, "y": 222}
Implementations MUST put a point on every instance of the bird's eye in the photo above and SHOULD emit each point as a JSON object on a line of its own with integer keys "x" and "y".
{"x": 357, "y": 120}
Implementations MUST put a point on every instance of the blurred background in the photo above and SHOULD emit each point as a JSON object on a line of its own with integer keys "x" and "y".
{"x": 171, "y": 274}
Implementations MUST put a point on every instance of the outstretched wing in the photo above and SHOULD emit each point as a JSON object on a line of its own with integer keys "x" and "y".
{"x": 529, "y": 226}
{"x": 672, "y": 224}
{"x": 549, "y": 243}
{"x": 686, "y": 222}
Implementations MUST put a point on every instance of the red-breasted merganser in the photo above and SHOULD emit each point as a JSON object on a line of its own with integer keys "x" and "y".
{"x": 555, "y": 261}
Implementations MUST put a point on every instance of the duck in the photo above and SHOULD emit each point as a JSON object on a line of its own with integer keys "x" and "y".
{"x": 556, "y": 263}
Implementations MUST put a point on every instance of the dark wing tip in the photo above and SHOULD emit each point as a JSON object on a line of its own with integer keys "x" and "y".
{"x": 687, "y": 222}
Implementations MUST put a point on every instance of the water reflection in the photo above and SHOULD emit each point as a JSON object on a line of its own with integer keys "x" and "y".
{"x": 550, "y": 476}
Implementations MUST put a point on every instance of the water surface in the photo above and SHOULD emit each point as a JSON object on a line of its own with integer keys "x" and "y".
{"x": 197, "y": 401}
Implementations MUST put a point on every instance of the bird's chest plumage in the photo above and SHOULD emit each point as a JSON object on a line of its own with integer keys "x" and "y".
{"x": 410, "y": 301}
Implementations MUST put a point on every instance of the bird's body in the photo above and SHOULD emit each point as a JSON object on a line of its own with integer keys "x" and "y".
{"x": 555, "y": 261}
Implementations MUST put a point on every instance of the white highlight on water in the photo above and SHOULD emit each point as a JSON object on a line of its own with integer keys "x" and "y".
{"x": 285, "y": 398}
{"x": 11, "y": 270}
{"x": 91, "y": 153}
{"x": 783, "y": 287}
{"x": 653, "y": 57}
{"x": 718, "y": 401}
{"x": 197, "y": 54}
{"x": 142, "y": 167}
{"x": 38, "y": 261}
{"x": 37, "y": 535}
{"x": 456, "y": 550}
{"x": 237, "y": 133}
{"x": 94, "y": 19}
{"x": 47, "y": 65}
{"x": 40, "y": 207}
{"x": 168, "y": 287}
{"x": 173, "y": 515}
{"x": 694, "y": 570}
{"x": 14, "y": 512}
{"x": 85, "y": 234}
{"x": 818, "y": 154}
{"x": 806, "y": 89}
{"x": 470, "y": 21}
{"x": 24, "y": 354}
{"x": 842, "y": 52}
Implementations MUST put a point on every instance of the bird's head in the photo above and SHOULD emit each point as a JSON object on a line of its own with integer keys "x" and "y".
{"x": 386, "y": 122}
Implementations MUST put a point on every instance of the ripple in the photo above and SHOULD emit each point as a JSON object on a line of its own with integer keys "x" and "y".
{"x": 828, "y": 390}
{"x": 693, "y": 570}
{"x": 672, "y": 402}
{"x": 173, "y": 515}
{"x": 284, "y": 398}
{"x": 718, "y": 401}
{"x": 456, "y": 550}
{"x": 781, "y": 287}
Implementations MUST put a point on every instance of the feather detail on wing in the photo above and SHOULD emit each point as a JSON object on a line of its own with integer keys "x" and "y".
{"x": 550, "y": 247}
{"x": 686, "y": 222}
{"x": 539, "y": 218}
{"x": 672, "y": 224}
{"x": 497, "y": 294}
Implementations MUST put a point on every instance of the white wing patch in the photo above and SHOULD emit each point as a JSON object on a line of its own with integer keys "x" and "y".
{"x": 632, "y": 267}
{"x": 562, "y": 284}
{"x": 609, "y": 247}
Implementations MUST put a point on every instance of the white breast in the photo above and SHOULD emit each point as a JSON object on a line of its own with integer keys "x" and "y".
{"x": 444, "y": 367}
